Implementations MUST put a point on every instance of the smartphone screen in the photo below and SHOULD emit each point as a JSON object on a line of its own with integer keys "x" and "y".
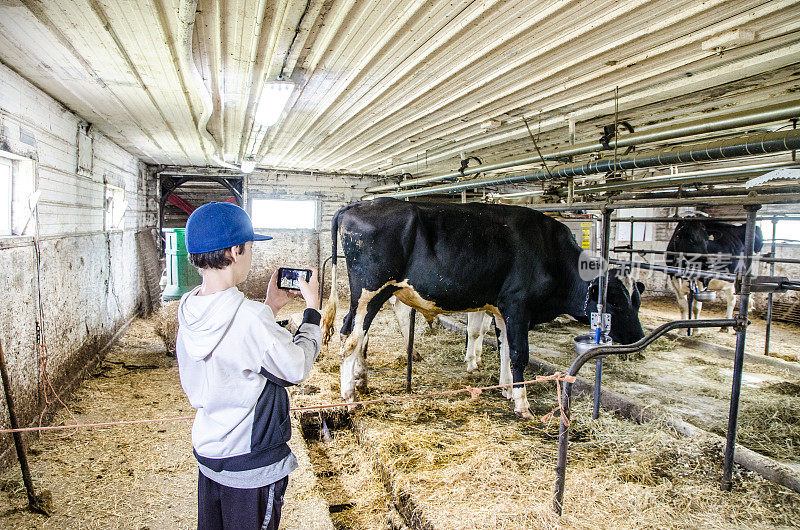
{"x": 288, "y": 277}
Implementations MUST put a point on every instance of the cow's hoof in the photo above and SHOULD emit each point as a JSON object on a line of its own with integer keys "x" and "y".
{"x": 471, "y": 368}
{"x": 416, "y": 357}
{"x": 507, "y": 393}
{"x": 525, "y": 414}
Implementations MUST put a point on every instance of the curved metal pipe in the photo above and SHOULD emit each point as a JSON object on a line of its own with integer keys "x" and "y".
{"x": 766, "y": 114}
{"x": 621, "y": 349}
{"x": 187, "y": 11}
{"x": 756, "y": 144}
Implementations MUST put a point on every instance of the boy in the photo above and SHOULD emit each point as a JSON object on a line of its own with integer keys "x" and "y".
{"x": 234, "y": 363}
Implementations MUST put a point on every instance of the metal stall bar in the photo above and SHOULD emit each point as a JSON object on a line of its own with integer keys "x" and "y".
{"x": 657, "y": 134}
{"x": 755, "y": 144}
{"x": 703, "y": 219}
{"x": 769, "y": 296}
{"x": 677, "y": 271}
{"x": 621, "y": 349}
{"x": 676, "y": 193}
{"x": 410, "y": 352}
{"x": 605, "y": 246}
{"x": 762, "y": 259}
{"x": 738, "y": 359}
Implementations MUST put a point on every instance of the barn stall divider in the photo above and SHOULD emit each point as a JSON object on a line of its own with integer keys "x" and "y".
{"x": 735, "y": 147}
{"x": 746, "y": 283}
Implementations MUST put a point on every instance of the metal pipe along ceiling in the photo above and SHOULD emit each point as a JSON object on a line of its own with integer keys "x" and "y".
{"x": 670, "y": 132}
{"x": 665, "y": 181}
{"x": 187, "y": 11}
{"x": 754, "y": 144}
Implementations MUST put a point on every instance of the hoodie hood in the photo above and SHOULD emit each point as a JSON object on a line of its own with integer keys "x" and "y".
{"x": 203, "y": 320}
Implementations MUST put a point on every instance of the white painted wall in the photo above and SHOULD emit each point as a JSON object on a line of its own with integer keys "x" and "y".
{"x": 301, "y": 247}
{"x": 90, "y": 280}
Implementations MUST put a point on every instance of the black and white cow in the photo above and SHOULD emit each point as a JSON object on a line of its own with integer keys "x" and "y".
{"x": 518, "y": 264}
{"x": 692, "y": 237}
{"x": 479, "y": 322}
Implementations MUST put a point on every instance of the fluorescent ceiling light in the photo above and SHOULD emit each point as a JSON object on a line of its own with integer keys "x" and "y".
{"x": 248, "y": 166}
{"x": 274, "y": 97}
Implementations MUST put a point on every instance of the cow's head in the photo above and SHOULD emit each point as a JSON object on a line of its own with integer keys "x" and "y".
{"x": 690, "y": 237}
{"x": 623, "y": 299}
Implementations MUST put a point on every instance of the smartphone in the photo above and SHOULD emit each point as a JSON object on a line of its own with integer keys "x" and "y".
{"x": 288, "y": 277}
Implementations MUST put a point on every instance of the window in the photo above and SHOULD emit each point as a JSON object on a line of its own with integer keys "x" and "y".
{"x": 284, "y": 213}
{"x": 5, "y": 197}
{"x": 786, "y": 230}
{"x": 642, "y": 231}
{"x": 17, "y": 195}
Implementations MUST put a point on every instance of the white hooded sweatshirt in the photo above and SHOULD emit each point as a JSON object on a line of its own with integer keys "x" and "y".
{"x": 234, "y": 361}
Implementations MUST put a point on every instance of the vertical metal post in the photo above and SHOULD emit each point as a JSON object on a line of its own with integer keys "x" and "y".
{"x": 18, "y": 445}
{"x": 570, "y": 180}
{"x": 769, "y": 296}
{"x": 738, "y": 360}
{"x": 410, "y": 351}
{"x": 605, "y": 246}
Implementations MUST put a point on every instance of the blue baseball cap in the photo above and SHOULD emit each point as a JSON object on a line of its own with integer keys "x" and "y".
{"x": 219, "y": 225}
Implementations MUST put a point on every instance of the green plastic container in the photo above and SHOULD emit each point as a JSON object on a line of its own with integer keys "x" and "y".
{"x": 182, "y": 276}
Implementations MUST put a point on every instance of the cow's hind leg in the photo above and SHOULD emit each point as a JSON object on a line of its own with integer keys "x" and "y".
{"x": 350, "y": 343}
{"x": 353, "y": 371}
{"x": 678, "y": 287}
{"x": 696, "y": 308}
{"x": 517, "y": 335}
{"x": 403, "y": 314}
{"x": 505, "y": 360}
{"x": 729, "y": 293}
{"x": 477, "y": 326}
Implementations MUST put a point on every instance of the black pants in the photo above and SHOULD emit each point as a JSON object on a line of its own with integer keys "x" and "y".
{"x": 222, "y": 508}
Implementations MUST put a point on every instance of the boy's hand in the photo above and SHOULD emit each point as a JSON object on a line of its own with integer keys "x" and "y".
{"x": 310, "y": 290}
{"x": 276, "y": 297}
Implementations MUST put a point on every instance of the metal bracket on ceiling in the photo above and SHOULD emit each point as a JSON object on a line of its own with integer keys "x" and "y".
{"x": 610, "y": 131}
{"x": 465, "y": 165}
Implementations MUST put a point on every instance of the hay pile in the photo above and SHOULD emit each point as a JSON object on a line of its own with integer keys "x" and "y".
{"x": 166, "y": 325}
{"x": 141, "y": 476}
{"x": 769, "y": 421}
{"x": 470, "y": 464}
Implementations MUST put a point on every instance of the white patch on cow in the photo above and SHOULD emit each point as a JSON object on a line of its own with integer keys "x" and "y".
{"x": 505, "y": 359}
{"x": 403, "y": 314}
{"x": 519, "y": 395}
{"x": 352, "y": 371}
{"x": 409, "y": 296}
{"x": 478, "y": 323}
{"x": 521, "y": 404}
{"x": 681, "y": 289}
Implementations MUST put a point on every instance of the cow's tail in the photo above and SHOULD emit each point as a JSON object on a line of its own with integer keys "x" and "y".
{"x": 329, "y": 311}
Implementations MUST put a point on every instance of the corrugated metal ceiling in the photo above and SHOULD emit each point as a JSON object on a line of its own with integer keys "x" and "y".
{"x": 395, "y": 85}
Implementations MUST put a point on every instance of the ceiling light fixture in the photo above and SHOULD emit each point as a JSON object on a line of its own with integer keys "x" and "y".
{"x": 248, "y": 166}
{"x": 274, "y": 97}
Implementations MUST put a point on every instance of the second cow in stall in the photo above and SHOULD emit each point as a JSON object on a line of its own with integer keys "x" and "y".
{"x": 723, "y": 242}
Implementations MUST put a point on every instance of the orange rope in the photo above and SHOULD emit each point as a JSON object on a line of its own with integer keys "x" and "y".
{"x": 474, "y": 392}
